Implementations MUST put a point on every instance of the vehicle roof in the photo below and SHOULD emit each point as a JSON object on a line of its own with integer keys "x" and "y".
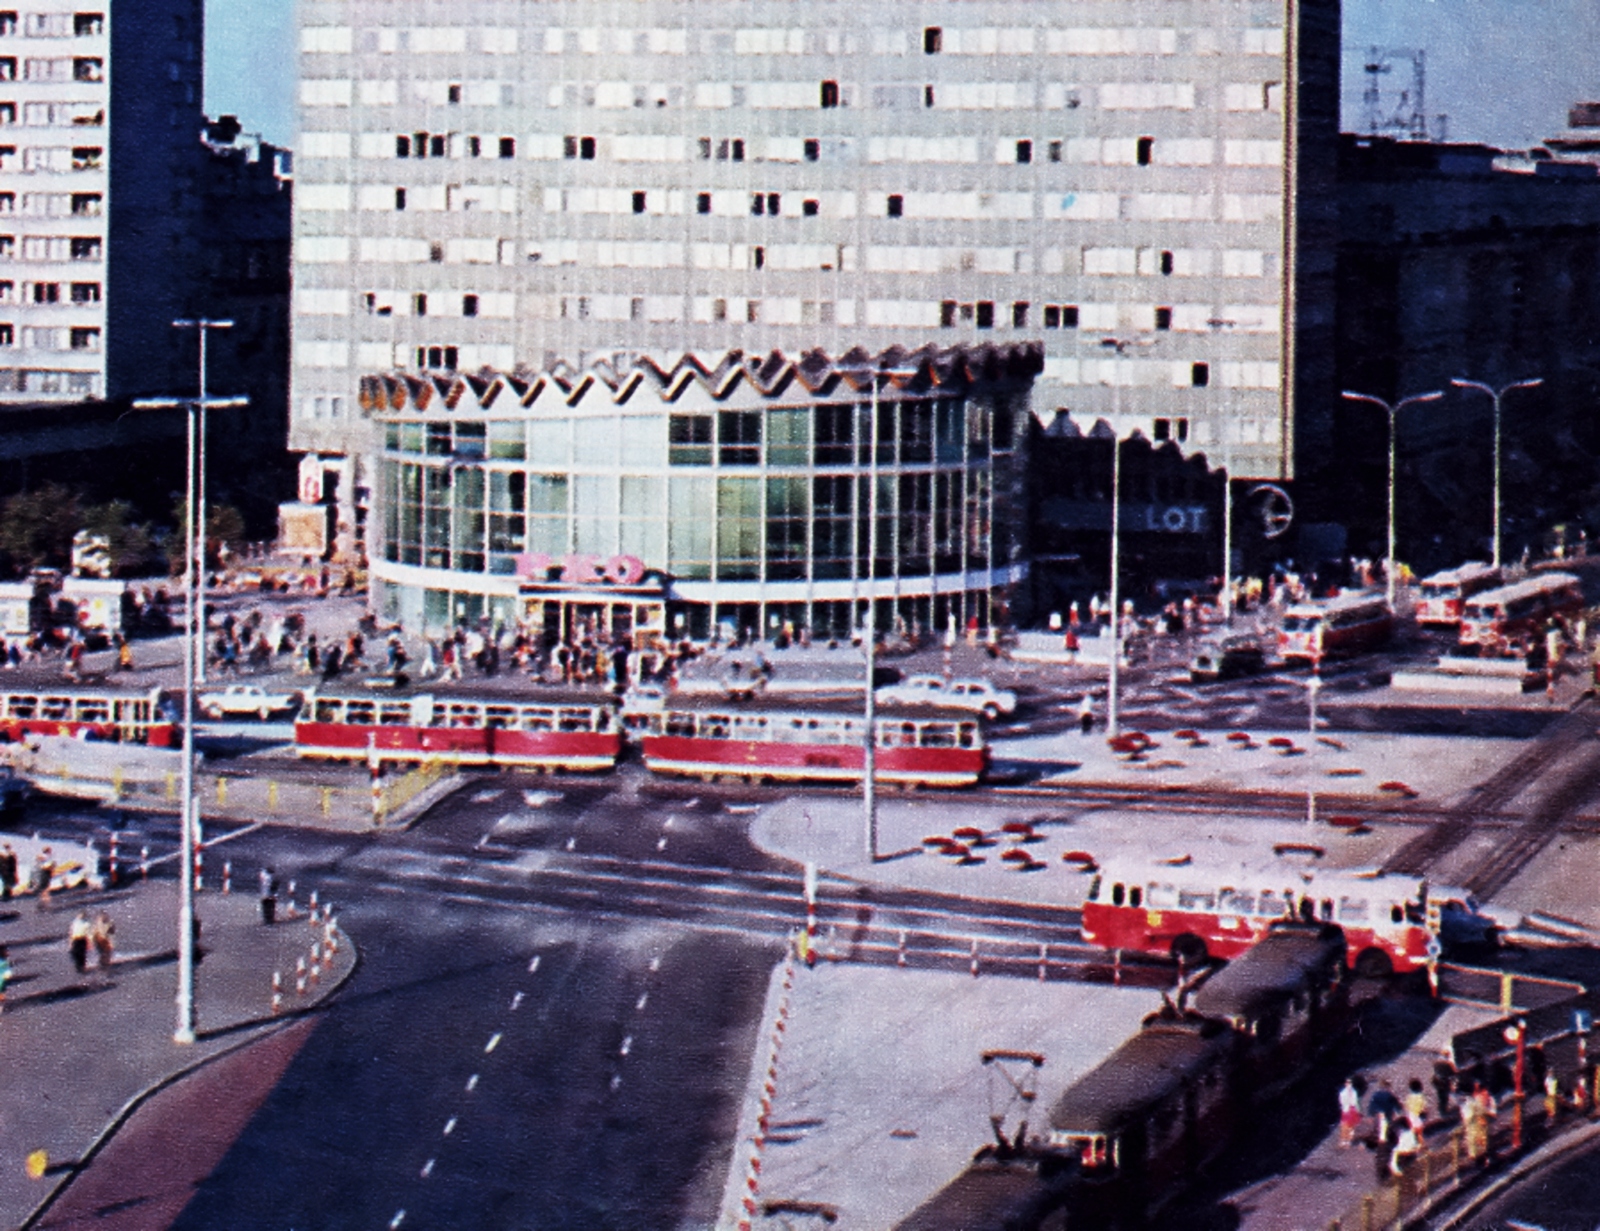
{"x": 1541, "y": 584}
{"x": 478, "y": 694}
{"x": 816, "y": 707}
{"x": 1145, "y": 1070}
{"x": 1265, "y": 875}
{"x": 942, "y": 682}
{"x": 993, "y": 1195}
{"x": 1282, "y": 963}
{"x": 1347, "y": 600}
{"x": 1469, "y": 571}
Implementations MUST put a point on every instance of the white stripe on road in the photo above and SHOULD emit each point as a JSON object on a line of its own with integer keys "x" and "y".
{"x": 449, "y": 1126}
{"x": 494, "y": 1042}
{"x": 427, "y": 1168}
{"x": 472, "y": 1083}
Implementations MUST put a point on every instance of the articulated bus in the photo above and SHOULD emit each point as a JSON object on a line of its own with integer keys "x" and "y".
{"x": 1509, "y": 620}
{"x": 1444, "y": 595}
{"x": 1349, "y": 624}
{"x": 573, "y": 731}
{"x": 714, "y": 737}
{"x": 1391, "y": 923}
{"x": 90, "y": 713}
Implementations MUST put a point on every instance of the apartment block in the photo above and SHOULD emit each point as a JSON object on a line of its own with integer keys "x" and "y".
{"x": 99, "y": 125}
{"x": 1142, "y": 188}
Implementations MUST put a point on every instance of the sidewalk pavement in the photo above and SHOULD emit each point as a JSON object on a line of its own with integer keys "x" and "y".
{"x": 83, "y": 1051}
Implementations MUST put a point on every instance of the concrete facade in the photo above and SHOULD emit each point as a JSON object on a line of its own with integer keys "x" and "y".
{"x": 100, "y": 108}
{"x": 512, "y": 186}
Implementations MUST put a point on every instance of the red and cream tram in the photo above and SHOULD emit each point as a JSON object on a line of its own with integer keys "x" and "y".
{"x": 1391, "y": 923}
{"x": 1349, "y": 624}
{"x": 1444, "y": 596}
{"x": 1510, "y": 619}
{"x": 714, "y": 737}
{"x": 574, "y": 731}
{"x": 88, "y": 713}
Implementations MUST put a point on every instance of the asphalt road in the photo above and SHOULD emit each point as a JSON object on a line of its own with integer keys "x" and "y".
{"x": 1562, "y": 1197}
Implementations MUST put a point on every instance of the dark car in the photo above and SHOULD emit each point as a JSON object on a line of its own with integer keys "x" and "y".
{"x": 1227, "y": 660}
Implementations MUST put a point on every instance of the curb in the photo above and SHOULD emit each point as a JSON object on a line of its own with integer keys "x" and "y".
{"x": 1465, "y": 1205}
{"x": 259, "y": 1028}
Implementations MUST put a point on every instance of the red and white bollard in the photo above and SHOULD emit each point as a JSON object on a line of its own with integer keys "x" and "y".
{"x": 315, "y": 969}
{"x": 144, "y": 863}
{"x": 111, "y": 861}
{"x": 974, "y": 957}
{"x": 199, "y": 867}
{"x": 277, "y": 993}
{"x": 300, "y": 976}
{"x": 311, "y": 910}
{"x": 227, "y": 876}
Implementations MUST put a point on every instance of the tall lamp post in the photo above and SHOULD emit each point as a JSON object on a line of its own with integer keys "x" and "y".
{"x": 194, "y": 538}
{"x": 1496, "y": 395}
{"x": 1393, "y": 413}
{"x": 1113, "y": 680}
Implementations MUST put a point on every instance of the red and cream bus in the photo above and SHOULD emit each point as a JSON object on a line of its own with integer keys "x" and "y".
{"x": 1191, "y": 912}
{"x": 89, "y": 713}
{"x": 1509, "y": 620}
{"x": 1444, "y": 595}
{"x": 1353, "y": 622}
{"x": 714, "y": 737}
{"x": 574, "y": 731}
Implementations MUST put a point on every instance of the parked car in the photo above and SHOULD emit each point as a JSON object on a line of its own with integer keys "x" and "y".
{"x": 241, "y": 699}
{"x": 14, "y": 789}
{"x": 1227, "y": 659}
{"x": 978, "y": 695}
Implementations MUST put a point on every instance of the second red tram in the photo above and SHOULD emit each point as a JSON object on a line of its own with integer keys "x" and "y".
{"x": 89, "y": 713}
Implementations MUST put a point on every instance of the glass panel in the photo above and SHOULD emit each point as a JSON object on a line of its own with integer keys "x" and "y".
{"x": 738, "y": 528}
{"x": 596, "y": 440}
{"x": 691, "y": 505}
{"x": 470, "y": 439}
{"x": 835, "y": 434}
{"x": 550, "y": 442}
{"x": 508, "y": 439}
{"x": 644, "y": 441}
{"x": 594, "y": 508}
{"x": 689, "y": 439}
{"x": 788, "y": 437}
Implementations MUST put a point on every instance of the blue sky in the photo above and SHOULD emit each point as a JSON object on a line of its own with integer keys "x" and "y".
{"x": 1504, "y": 71}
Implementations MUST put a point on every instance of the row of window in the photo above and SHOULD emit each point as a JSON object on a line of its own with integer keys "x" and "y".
{"x": 79, "y": 338}
{"x": 666, "y": 148}
{"x": 49, "y": 381}
{"x": 52, "y": 25}
{"x": 53, "y": 204}
{"x": 52, "y": 158}
{"x": 659, "y": 41}
{"x": 54, "y": 115}
{"x": 52, "y": 68}
{"x": 51, "y": 248}
{"x": 50, "y": 292}
{"x": 827, "y": 94}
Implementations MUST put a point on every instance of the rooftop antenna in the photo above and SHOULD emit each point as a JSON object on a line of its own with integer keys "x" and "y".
{"x": 1409, "y": 118}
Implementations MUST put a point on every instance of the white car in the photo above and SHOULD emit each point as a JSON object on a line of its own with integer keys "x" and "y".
{"x": 240, "y": 699}
{"x": 978, "y": 695}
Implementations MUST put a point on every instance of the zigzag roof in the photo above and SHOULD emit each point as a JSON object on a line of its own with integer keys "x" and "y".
{"x": 813, "y": 375}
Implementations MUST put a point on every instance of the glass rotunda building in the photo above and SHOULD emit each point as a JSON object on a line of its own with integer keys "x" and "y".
{"x": 763, "y": 495}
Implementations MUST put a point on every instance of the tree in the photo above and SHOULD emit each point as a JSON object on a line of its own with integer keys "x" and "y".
{"x": 131, "y": 542}
{"x": 36, "y": 527}
{"x": 224, "y": 529}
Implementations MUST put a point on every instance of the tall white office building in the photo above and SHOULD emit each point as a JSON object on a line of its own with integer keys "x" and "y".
{"x": 100, "y": 115}
{"x": 1141, "y": 186}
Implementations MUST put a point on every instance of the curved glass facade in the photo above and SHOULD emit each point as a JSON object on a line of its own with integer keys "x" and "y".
{"x": 753, "y": 499}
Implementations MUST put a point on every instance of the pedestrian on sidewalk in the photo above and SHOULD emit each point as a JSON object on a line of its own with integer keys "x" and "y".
{"x": 1086, "y": 714}
{"x": 1477, "y": 1114}
{"x": 1415, "y": 1104}
{"x": 1385, "y": 1108}
{"x": 100, "y": 934}
{"x": 1552, "y": 1095}
{"x": 44, "y": 871}
{"x": 1444, "y": 1082}
{"x": 78, "y": 941}
{"x": 269, "y": 897}
{"x": 1349, "y": 1113}
{"x": 8, "y": 871}
{"x": 1406, "y": 1147}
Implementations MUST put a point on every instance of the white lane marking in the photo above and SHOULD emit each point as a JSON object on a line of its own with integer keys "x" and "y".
{"x": 643, "y": 1000}
{"x": 572, "y": 844}
{"x": 427, "y": 1168}
{"x": 741, "y": 809}
{"x": 494, "y": 1042}
{"x": 661, "y": 844}
{"x": 472, "y": 1083}
{"x": 516, "y": 1002}
{"x": 449, "y": 1126}
{"x": 483, "y": 797}
{"x": 534, "y": 964}
{"x": 627, "y": 1046}
{"x": 538, "y": 799}
{"x": 397, "y": 1220}
{"x": 667, "y": 824}
{"x": 655, "y": 963}
{"x": 616, "y": 1080}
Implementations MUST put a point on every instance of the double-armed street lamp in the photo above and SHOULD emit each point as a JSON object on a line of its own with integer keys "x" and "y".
{"x": 1496, "y": 394}
{"x": 1393, "y": 412}
{"x": 194, "y": 646}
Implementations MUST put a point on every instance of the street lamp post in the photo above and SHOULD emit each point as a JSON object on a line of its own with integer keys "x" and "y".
{"x": 1393, "y": 412}
{"x": 1113, "y": 680}
{"x": 193, "y": 534}
{"x": 1496, "y": 394}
